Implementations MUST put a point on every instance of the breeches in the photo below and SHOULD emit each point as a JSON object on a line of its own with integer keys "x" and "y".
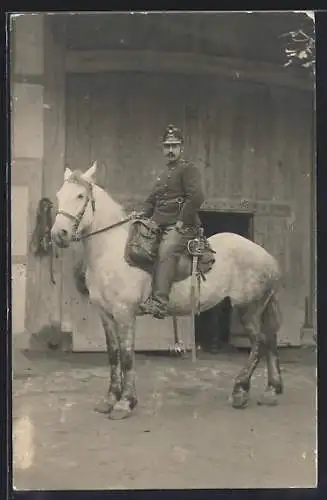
{"x": 172, "y": 246}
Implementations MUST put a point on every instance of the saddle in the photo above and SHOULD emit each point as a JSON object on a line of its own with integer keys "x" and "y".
{"x": 142, "y": 246}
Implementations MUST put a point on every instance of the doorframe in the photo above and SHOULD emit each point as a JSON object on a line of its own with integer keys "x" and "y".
{"x": 250, "y": 216}
{"x": 248, "y": 213}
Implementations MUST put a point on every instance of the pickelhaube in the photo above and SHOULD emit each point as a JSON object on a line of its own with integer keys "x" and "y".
{"x": 172, "y": 135}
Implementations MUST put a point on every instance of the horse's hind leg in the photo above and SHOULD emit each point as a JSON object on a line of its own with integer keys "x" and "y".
{"x": 271, "y": 322}
{"x": 106, "y": 404}
{"x": 241, "y": 389}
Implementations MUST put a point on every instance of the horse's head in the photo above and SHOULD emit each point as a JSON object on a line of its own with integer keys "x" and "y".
{"x": 75, "y": 206}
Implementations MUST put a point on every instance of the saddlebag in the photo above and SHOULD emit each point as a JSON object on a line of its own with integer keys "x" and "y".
{"x": 142, "y": 244}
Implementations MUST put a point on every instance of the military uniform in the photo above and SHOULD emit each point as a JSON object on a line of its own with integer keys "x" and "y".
{"x": 177, "y": 195}
{"x": 175, "y": 198}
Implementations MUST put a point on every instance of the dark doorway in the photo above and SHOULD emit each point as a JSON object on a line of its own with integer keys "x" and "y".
{"x": 213, "y": 326}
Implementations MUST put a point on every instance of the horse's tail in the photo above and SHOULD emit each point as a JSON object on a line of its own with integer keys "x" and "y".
{"x": 271, "y": 318}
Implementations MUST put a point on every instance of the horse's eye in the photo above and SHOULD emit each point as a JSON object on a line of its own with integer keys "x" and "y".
{"x": 80, "y": 196}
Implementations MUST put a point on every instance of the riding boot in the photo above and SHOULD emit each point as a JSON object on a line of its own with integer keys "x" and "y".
{"x": 171, "y": 248}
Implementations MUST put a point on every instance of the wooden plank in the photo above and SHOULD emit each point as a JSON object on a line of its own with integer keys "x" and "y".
{"x": 302, "y": 186}
{"x": 27, "y": 120}
{"x": 221, "y": 140}
{"x": 19, "y": 220}
{"x": 27, "y": 172}
{"x": 272, "y": 233}
{"x": 261, "y": 179}
{"x": 279, "y": 112}
{"x": 95, "y": 61}
{"x": 27, "y": 33}
{"x": 239, "y": 119}
{"x": 49, "y": 305}
{"x": 78, "y": 122}
{"x": 19, "y": 259}
{"x": 155, "y": 335}
{"x": 249, "y": 164}
{"x": 78, "y": 156}
{"x": 295, "y": 165}
{"x": 18, "y": 290}
{"x": 206, "y": 125}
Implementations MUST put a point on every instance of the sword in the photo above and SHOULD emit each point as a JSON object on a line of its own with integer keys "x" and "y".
{"x": 195, "y": 248}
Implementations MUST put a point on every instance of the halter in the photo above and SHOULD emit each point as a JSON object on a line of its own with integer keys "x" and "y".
{"x": 77, "y": 218}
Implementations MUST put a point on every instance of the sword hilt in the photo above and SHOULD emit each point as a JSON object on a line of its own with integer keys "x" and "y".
{"x": 196, "y": 246}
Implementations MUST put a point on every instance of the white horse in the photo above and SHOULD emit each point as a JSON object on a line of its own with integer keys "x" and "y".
{"x": 243, "y": 271}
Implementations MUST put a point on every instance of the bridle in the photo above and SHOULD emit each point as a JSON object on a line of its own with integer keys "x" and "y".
{"x": 78, "y": 218}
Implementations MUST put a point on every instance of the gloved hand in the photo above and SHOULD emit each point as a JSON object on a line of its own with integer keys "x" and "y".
{"x": 137, "y": 215}
{"x": 179, "y": 226}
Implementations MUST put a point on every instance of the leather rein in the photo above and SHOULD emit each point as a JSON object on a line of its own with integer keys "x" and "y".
{"x": 78, "y": 218}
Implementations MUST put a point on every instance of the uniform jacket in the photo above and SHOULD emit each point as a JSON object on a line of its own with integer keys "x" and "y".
{"x": 176, "y": 195}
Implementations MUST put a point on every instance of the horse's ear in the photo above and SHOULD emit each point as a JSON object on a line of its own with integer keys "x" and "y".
{"x": 67, "y": 173}
{"x": 90, "y": 173}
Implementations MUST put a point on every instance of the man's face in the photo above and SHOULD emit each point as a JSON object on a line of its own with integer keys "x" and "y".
{"x": 172, "y": 150}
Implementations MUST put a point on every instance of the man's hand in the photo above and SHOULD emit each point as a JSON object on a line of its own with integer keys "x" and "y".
{"x": 137, "y": 215}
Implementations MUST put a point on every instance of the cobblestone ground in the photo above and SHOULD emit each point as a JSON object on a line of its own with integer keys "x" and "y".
{"x": 184, "y": 433}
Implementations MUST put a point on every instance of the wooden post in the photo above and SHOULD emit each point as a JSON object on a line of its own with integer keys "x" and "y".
{"x": 27, "y": 88}
{"x": 39, "y": 149}
{"x": 54, "y": 155}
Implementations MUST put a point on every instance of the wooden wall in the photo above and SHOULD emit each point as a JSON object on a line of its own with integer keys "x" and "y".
{"x": 230, "y": 34}
{"x": 251, "y": 142}
{"x": 38, "y": 135}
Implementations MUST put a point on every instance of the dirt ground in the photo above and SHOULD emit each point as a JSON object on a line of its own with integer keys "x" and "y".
{"x": 184, "y": 433}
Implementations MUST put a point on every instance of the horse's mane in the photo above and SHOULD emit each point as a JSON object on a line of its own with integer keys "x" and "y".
{"x": 77, "y": 176}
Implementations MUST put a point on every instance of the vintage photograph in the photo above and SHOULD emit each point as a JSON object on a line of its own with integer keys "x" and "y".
{"x": 163, "y": 239}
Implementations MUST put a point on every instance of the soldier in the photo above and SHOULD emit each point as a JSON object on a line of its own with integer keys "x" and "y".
{"x": 173, "y": 204}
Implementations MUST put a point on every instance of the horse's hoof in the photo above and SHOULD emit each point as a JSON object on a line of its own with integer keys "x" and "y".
{"x": 240, "y": 399}
{"x": 104, "y": 406}
{"x": 268, "y": 398}
{"x": 133, "y": 403}
{"x": 122, "y": 409}
{"x": 279, "y": 388}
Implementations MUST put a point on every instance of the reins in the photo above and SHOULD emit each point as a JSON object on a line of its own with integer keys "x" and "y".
{"x": 106, "y": 228}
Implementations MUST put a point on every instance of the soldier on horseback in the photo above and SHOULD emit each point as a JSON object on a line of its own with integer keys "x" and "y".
{"x": 173, "y": 205}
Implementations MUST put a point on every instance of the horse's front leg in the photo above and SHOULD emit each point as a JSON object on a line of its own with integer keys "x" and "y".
{"x": 125, "y": 320}
{"x": 106, "y": 404}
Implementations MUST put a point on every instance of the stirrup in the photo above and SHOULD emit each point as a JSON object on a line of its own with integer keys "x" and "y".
{"x": 146, "y": 305}
{"x": 150, "y": 307}
{"x": 159, "y": 314}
